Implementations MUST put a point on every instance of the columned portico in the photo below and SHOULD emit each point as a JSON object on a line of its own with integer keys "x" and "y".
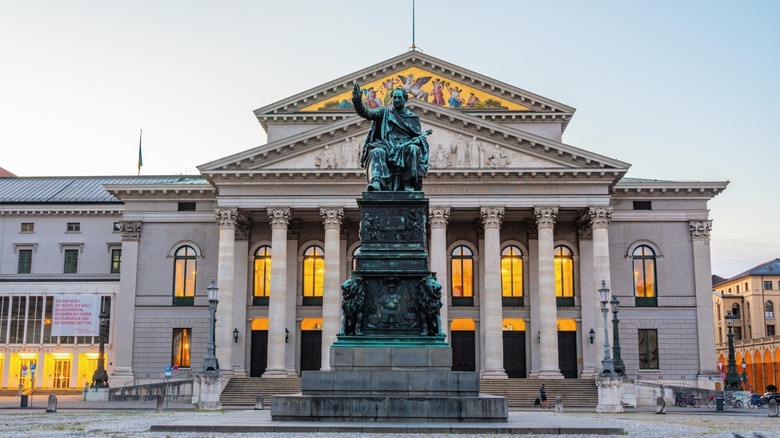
{"x": 548, "y": 315}
{"x": 599, "y": 221}
{"x": 124, "y": 321}
{"x": 702, "y": 273}
{"x": 227, "y": 219}
{"x": 490, "y": 303}
{"x": 277, "y": 309}
{"x": 439, "y": 217}
{"x": 331, "y": 299}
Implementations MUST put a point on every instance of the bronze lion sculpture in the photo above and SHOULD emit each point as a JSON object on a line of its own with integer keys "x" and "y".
{"x": 353, "y": 303}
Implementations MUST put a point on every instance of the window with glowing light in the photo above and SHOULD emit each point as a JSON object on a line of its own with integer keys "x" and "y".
{"x": 180, "y": 356}
{"x": 648, "y": 349}
{"x": 313, "y": 272}
{"x": 262, "y": 276}
{"x": 185, "y": 271}
{"x": 564, "y": 276}
{"x": 644, "y": 276}
{"x": 462, "y": 268}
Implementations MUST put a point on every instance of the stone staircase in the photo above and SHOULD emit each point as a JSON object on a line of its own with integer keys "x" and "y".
{"x": 520, "y": 393}
{"x": 243, "y": 391}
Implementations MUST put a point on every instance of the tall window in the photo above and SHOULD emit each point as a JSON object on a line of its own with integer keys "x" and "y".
{"x": 512, "y": 272}
{"x": 648, "y": 349}
{"x": 262, "y": 277}
{"x": 313, "y": 273}
{"x": 71, "y": 261}
{"x": 116, "y": 260}
{"x": 180, "y": 355}
{"x": 185, "y": 270}
{"x": 564, "y": 276}
{"x": 644, "y": 276}
{"x": 735, "y": 311}
{"x": 4, "y": 303}
{"x": 767, "y": 285}
{"x": 770, "y": 330}
{"x": 47, "y": 316}
{"x": 25, "y": 261}
{"x": 34, "y": 319}
{"x": 462, "y": 284}
{"x": 769, "y": 310}
{"x": 16, "y": 326}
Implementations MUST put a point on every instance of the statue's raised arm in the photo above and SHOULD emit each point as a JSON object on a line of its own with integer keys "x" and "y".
{"x": 395, "y": 153}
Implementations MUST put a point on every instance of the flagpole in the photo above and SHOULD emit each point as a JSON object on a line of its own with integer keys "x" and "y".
{"x": 140, "y": 155}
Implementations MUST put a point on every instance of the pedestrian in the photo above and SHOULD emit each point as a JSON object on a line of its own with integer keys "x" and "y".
{"x": 543, "y": 396}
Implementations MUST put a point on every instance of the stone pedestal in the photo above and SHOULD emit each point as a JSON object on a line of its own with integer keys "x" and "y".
{"x": 96, "y": 394}
{"x": 609, "y": 395}
{"x": 209, "y": 389}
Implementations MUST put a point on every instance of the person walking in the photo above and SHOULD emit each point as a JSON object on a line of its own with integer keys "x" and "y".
{"x": 543, "y": 396}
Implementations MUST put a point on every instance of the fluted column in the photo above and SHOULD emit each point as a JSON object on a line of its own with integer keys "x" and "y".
{"x": 277, "y": 309}
{"x": 702, "y": 274}
{"x": 439, "y": 217}
{"x": 490, "y": 309}
{"x": 123, "y": 319}
{"x": 223, "y": 334}
{"x": 331, "y": 299}
{"x": 599, "y": 222}
{"x": 548, "y": 315}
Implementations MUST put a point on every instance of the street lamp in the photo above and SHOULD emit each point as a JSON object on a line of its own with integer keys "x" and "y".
{"x": 744, "y": 374}
{"x": 100, "y": 376}
{"x": 607, "y": 366}
{"x": 732, "y": 378}
{"x": 210, "y": 363}
{"x": 620, "y": 367}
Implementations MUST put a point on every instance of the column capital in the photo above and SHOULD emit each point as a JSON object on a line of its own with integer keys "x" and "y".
{"x": 279, "y": 217}
{"x": 700, "y": 230}
{"x": 439, "y": 217}
{"x": 131, "y": 231}
{"x": 331, "y": 217}
{"x": 584, "y": 230}
{"x": 227, "y": 217}
{"x": 491, "y": 216}
{"x": 600, "y": 216}
{"x": 545, "y": 217}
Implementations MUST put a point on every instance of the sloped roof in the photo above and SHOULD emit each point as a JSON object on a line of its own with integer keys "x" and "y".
{"x": 771, "y": 267}
{"x": 85, "y": 189}
{"x": 5, "y": 174}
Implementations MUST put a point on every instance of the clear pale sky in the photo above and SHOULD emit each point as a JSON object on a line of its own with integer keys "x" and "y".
{"x": 683, "y": 90}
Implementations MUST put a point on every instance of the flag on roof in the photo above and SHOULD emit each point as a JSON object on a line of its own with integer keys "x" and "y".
{"x": 140, "y": 155}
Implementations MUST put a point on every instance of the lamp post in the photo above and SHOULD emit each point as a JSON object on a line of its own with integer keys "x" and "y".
{"x": 210, "y": 363}
{"x": 732, "y": 378}
{"x": 100, "y": 376}
{"x": 620, "y": 367}
{"x": 744, "y": 375}
{"x": 607, "y": 367}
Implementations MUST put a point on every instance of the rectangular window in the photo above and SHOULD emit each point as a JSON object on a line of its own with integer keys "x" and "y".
{"x": 648, "y": 349}
{"x": 34, "y": 320}
{"x": 4, "y": 302}
{"x": 71, "y": 261}
{"x": 16, "y": 326}
{"x": 116, "y": 259}
{"x": 737, "y": 331}
{"x": 25, "y": 261}
{"x": 47, "y": 338}
{"x": 770, "y": 330}
{"x": 28, "y": 227}
{"x": 186, "y": 206}
{"x": 768, "y": 285}
{"x": 643, "y": 205}
{"x": 737, "y": 288}
{"x": 180, "y": 356}
{"x": 73, "y": 227}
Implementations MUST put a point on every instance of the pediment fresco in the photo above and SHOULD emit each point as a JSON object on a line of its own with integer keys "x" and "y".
{"x": 422, "y": 85}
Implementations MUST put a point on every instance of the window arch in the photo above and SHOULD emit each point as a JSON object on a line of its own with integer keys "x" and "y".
{"x": 512, "y": 272}
{"x": 185, "y": 268}
{"x": 564, "y": 275}
{"x": 262, "y": 275}
{"x": 643, "y": 258}
{"x": 769, "y": 310}
{"x": 462, "y": 275}
{"x": 313, "y": 274}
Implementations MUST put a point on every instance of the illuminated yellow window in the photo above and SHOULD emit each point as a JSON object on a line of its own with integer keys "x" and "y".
{"x": 185, "y": 268}
{"x": 644, "y": 272}
{"x": 512, "y": 272}
{"x": 355, "y": 254}
{"x": 180, "y": 355}
{"x": 564, "y": 272}
{"x": 313, "y": 271}
{"x": 462, "y": 272}
{"x": 262, "y": 281}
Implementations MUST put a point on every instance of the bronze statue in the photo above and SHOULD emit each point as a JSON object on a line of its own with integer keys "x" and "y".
{"x": 395, "y": 153}
{"x": 428, "y": 297}
{"x": 353, "y": 304}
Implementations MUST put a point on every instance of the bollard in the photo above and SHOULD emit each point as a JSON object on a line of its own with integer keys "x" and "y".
{"x": 772, "y": 407}
{"x": 160, "y": 402}
{"x": 660, "y": 405}
{"x": 51, "y": 408}
{"x": 259, "y": 403}
{"x": 559, "y": 404}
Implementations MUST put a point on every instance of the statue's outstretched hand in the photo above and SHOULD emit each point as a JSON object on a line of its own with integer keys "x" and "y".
{"x": 356, "y": 93}
{"x": 429, "y": 132}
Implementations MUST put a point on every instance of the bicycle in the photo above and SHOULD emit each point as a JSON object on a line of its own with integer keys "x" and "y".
{"x": 684, "y": 400}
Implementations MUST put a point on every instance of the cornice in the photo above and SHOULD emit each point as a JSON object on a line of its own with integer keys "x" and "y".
{"x": 697, "y": 189}
{"x": 167, "y": 191}
{"x": 59, "y": 211}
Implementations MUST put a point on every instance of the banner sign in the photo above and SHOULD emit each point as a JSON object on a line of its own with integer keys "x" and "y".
{"x": 76, "y": 315}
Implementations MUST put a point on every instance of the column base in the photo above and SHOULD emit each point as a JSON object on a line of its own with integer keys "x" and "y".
{"x": 549, "y": 374}
{"x": 275, "y": 374}
{"x": 589, "y": 373}
{"x": 121, "y": 377}
{"x": 493, "y": 374}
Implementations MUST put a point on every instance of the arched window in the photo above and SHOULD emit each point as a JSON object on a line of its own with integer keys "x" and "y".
{"x": 462, "y": 268}
{"x": 262, "y": 277}
{"x": 512, "y": 272}
{"x": 769, "y": 310}
{"x": 644, "y": 276}
{"x": 735, "y": 311}
{"x": 184, "y": 273}
{"x": 313, "y": 273}
{"x": 564, "y": 276}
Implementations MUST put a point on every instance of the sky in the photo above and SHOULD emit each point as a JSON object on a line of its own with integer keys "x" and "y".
{"x": 682, "y": 90}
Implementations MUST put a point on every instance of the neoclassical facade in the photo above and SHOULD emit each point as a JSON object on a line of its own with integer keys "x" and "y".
{"x": 523, "y": 230}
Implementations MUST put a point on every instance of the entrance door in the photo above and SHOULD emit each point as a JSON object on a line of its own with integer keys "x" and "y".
{"x": 61, "y": 373}
{"x": 463, "y": 351}
{"x": 567, "y": 354}
{"x": 259, "y": 353}
{"x": 514, "y": 353}
{"x": 25, "y": 374}
{"x": 311, "y": 350}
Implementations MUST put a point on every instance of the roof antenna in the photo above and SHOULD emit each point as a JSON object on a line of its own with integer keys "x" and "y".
{"x": 414, "y": 47}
